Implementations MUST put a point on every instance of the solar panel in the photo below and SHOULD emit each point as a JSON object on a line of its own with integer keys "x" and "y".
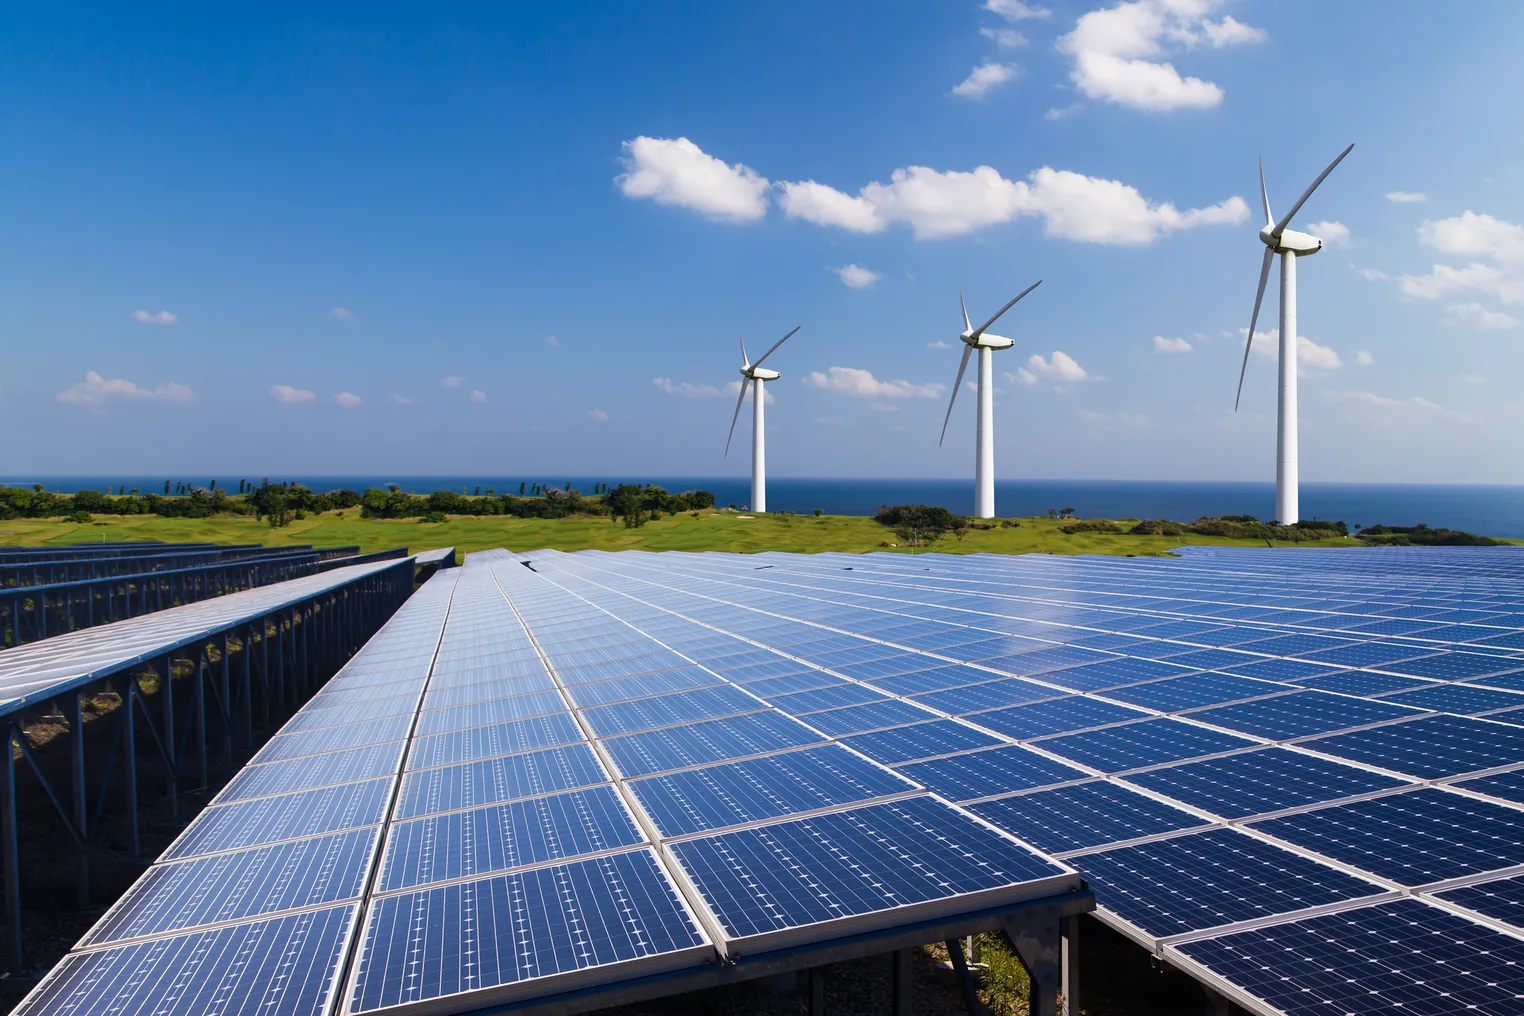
{"x": 1083, "y": 815}
{"x": 1258, "y": 782}
{"x": 1134, "y": 745}
{"x": 1430, "y": 747}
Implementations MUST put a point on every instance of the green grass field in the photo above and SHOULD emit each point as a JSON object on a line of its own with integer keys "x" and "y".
{"x": 721, "y": 531}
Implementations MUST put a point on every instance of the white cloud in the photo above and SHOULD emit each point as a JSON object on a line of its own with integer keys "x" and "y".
{"x": 1473, "y": 236}
{"x": 342, "y": 313}
{"x": 349, "y": 400}
{"x": 551, "y": 340}
{"x": 1474, "y": 315}
{"x": 164, "y": 317}
{"x": 1023, "y": 375}
{"x": 1336, "y": 234}
{"x": 827, "y": 206}
{"x": 686, "y": 388}
{"x": 984, "y": 77}
{"x": 1063, "y": 112}
{"x": 1373, "y": 274}
{"x": 855, "y": 381}
{"x": 1061, "y": 368}
{"x": 1163, "y": 345}
{"x": 1364, "y": 358}
{"x": 478, "y": 396}
{"x": 1015, "y": 10}
{"x": 939, "y": 344}
{"x": 1005, "y": 38}
{"x": 402, "y": 400}
{"x": 1411, "y": 402}
{"x": 883, "y": 407}
{"x": 677, "y": 172}
{"x": 453, "y": 381}
{"x": 941, "y": 204}
{"x": 1406, "y": 197}
{"x": 95, "y": 390}
{"x": 1117, "y": 52}
{"x": 285, "y": 393}
{"x": 1312, "y": 360}
{"x": 596, "y": 414}
{"x": 856, "y": 276}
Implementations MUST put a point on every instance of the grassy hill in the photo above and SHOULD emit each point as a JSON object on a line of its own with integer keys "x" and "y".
{"x": 705, "y": 530}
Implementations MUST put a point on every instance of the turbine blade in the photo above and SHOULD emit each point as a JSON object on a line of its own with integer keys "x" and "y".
{"x": 744, "y": 361}
{"x": 967, "y": 324}
{"x": 1280, "y": 227}
{"x": 1264, "y": 195}
{"x": 733, "y": 419}
{"x": 1264, "y": 277}
{"x": 775, "y": 345}
{"x": 980, "y": 330}
{"x": 967, "y": 349}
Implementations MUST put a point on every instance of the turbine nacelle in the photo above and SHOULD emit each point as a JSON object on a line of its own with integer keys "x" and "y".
{"x": 1290, "y": 242}
{"x": 759, "y": 374}
{"x": 987, "y": 341}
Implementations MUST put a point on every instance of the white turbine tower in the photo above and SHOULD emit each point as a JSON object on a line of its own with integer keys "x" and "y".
{"x": 1290, "y": 245}
{"x": 984, "y": 459}
{"x": 756, "y": 374}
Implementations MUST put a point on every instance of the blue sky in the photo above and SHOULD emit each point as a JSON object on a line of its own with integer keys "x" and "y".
{"x": 266, "y": 241}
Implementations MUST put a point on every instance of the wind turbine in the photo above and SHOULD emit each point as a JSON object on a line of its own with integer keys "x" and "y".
{"x": 984, "y": 460}
{"x": 1290, "y": 245}
{"x": 756, "y": 374}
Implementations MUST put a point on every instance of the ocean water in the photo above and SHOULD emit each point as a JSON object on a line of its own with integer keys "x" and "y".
{"x": 1494, "y": 510}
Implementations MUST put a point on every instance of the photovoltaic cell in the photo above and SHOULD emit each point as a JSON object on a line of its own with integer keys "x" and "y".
{"x": 1256, "y": 782}
{"x": 918, "y": 741}
{"x": 1055, "y": 716}
{"x": 496, "y": 739}
{"x": 1135, "y": 745}
{"x": 710, "y": 741}
{"x": 313, "y": 771}
{"x": 1083, "y": 815}
{"x": 717, "y": 796}
{"x": 1301, "y": 714}
{"x": 992, "y": 771}
{"x": 1207, "y": 879}
{"x": 289, "y": 816}
{"x": 429, "y": 791}
{"x": 1397, "y": 957}
{"x": 1430, "y": 747}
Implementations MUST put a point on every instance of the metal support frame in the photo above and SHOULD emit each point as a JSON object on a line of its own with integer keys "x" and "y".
{"x": 1216, "y": 1004}
{"x": 902, "y": 970}
{"x": 1069, "y": 995}
{"x": 1039, "y": 947}
{"x": 966, "y": 976}
{"x": 302, "y": 659}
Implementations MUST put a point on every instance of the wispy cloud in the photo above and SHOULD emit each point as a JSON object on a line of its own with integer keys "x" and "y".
{"x": 163, "y": 317}
{"x": 676, "y": 172}
{"x": 1372, "y": 274}
{"x": 1335, "y": 234}
{"x": 983, "y": 78}
{"x": 478, "y": 396}
{"x": 453, "y": 381}
{"x": 861, "y": 383}
{"x": 1163, "y": 345}
{"x": 349, "y": 400}
{"x": 96, "y": 390}
{"x": 685, "y": 388}
{"x": 856, "y": 276}
{"x": 1005, "y": 38}
{"x": 1062, "y": 369}
{"x": 939, "y": 344}
{"x": 1474, "y": 315}
{"x": 1015, "y": 10}
{"x": 402, "y": 400}
{"x": 342, "y": 313}
{"x": 551, "y": 340}
{"x": 1312, "y": 360}
{"x": 1411, "y": 402}
{"x": 286, "y": 393}
{"x": 596, "y": 415}
{"x": 1406, "y": 197}
{"x": 1364, "y": 358}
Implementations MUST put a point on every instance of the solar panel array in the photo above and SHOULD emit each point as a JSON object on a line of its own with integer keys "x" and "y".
{"x": 41, "y": 670}
{"x": 510, "y": 793}
{"x": 1298, "y": 775}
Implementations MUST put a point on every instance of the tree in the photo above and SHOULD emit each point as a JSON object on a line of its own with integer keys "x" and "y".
{"x": 916, "y": 524}
{"x": 166, "y": 488}
{"x": 276, "y": 511}
{"x": 521, "y": 490}
{"x": 819, "y": 512}
{"x": 1065, "y": 512}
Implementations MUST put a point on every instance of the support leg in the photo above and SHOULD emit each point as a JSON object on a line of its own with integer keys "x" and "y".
{"x": 130, "y": 749}
{"x": 1038, "y": 947}
{"x": 198, "y": 703}
{"x": 965, "y": 977}
{"x": 17, "y": 954}
{"x": 167, "y": 694}
{"x": 1070, "y": 975}
{"x": 903, "y": 966}
{"x": 1216, "y": 1005}
{"x": 81, "y": 792}
{"x": 816, "y": 977}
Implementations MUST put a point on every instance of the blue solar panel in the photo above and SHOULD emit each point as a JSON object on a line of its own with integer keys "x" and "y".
{"x": 1363, "y": 682}
{"x": 1147, "y": 743}
{"x": 285, "y": 965}
{"x": 1501, "y": 899}
{"x": 1256, "y": 782}
{"x": 1507, "y": 786}
{"x": 873, "y": 716}
{"x": 1194, "y": 690}
{"x": 762, "y": 881}
{"x": 506, "y": 836}
{"x": 1202, "y": 880}
{"x": 430, "y": 791}
{"x": 313, "y": 771}
{"x": 480, "y": 714}
{"x": 1112, "y": 674}
{"x": 1413, "y": 838}
{"x": 710, "y": 741}
{"x": 477, "y": 743}
{"x": 1008, "y": 691}
{"x": 619, "y": 689}
{"x": 518, "y": 935}
{"x": 240, "y": 885}
{"x": 919, "y": 740}
{"x": 1083, "y": 815}
{"x": 1430, "y": 747}
{"x": 1301, "y": 714}
{"x": 1055, "y": 716}
{"x": 669, "y": 710}
{"x": 988, "y": 772}
{"x": 697, "y": 800}
{"x": 321, "y": 742}
{"x": 826, "y": 698}
{"x": 1400, "y": 957}
{"x": 1458, "y": 698}
{"x": 1456, "y": 666}
{"x": 270, "y": 819}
